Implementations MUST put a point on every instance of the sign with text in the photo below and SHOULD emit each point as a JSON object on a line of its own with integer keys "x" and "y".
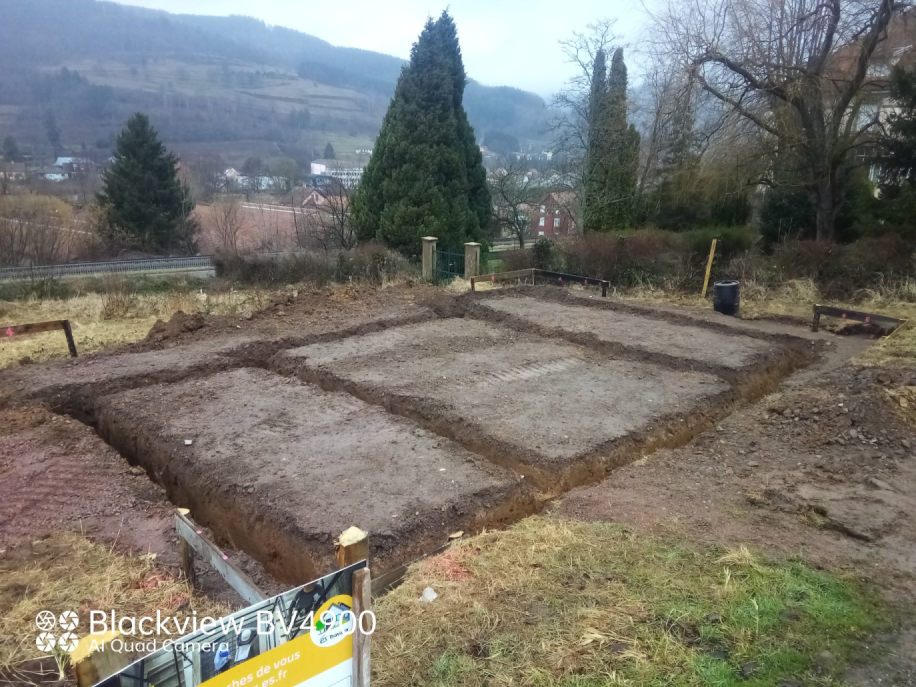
{"x": 301, "y": 638}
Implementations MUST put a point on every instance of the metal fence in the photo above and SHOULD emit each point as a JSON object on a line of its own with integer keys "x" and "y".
{"x": 449, "y": 265}
{"x": 194, "y": 264}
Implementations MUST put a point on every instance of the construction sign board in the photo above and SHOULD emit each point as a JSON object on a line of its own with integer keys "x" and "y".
{"x": 301, "y": 638}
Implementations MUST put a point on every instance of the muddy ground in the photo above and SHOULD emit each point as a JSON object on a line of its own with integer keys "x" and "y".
{"x": 532, "y": 384}
{"x": 278, "y": 468}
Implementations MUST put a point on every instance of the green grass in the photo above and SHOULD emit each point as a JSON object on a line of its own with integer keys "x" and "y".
{"x": 562, "y": 604}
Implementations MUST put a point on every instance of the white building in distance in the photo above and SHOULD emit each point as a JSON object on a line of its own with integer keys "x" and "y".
{"x": 348, "y": 173}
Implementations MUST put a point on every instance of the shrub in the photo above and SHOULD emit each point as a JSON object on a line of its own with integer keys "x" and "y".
{"x": 787, "y": 214}
{"x": 542, "y": 255}
{"x": 646, "y": 256}
{"x": 841, "y": 270}
{"x": 516, "y": 260}
{"x": 732, "y": 241}
{"x": 371, "y": 262}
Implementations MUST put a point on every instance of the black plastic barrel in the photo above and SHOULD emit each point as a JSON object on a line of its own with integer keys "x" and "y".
{"x": 726, "y": 297}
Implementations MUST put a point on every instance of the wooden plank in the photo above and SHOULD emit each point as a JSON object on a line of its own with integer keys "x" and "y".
{"x": 504, "y": 276}
{"x": 187, "y": 561}
{"x": 856, "y": 315}
{"x": 189, "y": 531}
{"x": 11, "y": 330}
{"x": 68, "y": 333}
{"x": 573, "y": 277}
{"x": 32, "y": 328}
{"x": 362, "y": 643}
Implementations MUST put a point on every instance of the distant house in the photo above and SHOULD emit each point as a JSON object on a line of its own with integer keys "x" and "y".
{"x": 324, "y": 199}
{"x": 349, "y": 173}
{"x": 234, "y": 180}
{"x": 553, "y": 216}
{"x": 71, "y": 166}
{"x": 13, "y": 171}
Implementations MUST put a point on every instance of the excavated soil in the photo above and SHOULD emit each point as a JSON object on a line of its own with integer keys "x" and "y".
{"x": 278, "y": 468}
{"x": 414, "y": 414}
{"x": 404, "y": 411}
{"x": 552, "y": 410}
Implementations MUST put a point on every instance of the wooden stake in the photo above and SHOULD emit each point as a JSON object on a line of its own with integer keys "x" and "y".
{"x": 187, "y": 554}
{"x": 194, "y": 543}
{"x": 362, "y": 603}
{"x": 352, "y": 547}
{"x": 712, "y": 255}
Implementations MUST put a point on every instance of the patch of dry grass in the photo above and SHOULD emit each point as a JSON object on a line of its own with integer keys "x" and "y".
{"x": 569, "y": 604}
{"x": 69, "y": 572}
{"x": 119, "y": 316}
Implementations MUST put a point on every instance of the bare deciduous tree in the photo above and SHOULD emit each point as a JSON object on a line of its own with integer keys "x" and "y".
{"x": 571, "y": 104}
{"x": 325, "y": 219}
{"x": 227, "y": 223}
{"x": 513, "y": 192}
{"x": 796, "y": 69}
{"x": 34, "y": 230}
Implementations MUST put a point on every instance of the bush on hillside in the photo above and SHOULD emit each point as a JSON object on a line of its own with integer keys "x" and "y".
{"x": 370, "y": 262}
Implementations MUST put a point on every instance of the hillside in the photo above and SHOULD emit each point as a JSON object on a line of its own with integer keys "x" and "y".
{"x": 232, "y": 86}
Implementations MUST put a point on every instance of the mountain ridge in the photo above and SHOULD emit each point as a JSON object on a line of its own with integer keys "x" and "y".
{"x": 89, "y": 63}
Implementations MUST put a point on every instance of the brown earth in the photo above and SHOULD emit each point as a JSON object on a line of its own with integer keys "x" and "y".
{"x": 554, "y": 411}
{"x": 279, "y": 468}
{"x": 824, "y": 466}
{"x": 57, "y": 474}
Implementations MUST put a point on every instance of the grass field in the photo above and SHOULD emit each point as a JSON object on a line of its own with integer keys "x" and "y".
{"x": 556, "y": 603}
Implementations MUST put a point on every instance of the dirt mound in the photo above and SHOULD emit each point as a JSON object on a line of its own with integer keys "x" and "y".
{"x": 180, "y": 323}
{"x": 445, "y": 305}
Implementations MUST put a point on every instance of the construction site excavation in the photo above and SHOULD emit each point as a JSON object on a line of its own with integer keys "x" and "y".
{"x": 414, "y": 422}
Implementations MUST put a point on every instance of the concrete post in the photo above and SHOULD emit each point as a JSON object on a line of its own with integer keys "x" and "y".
{"x": 429, "y": 258}
{"x": 471, "y": 260}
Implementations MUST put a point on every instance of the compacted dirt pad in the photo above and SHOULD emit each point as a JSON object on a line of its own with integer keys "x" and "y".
{"x": 279, "y": 468}
{"x": 691, "y": 342}
{"x": 544, "y": 407}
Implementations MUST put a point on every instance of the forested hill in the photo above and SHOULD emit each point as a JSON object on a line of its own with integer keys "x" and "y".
{"x": 79, "y": 67}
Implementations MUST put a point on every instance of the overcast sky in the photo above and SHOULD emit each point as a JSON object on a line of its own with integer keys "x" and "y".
{"x": 504, "y": 42}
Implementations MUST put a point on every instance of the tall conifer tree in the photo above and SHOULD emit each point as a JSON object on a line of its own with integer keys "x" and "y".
{"x": 622, "y": 150}
{"x": 613, "y": 150}
{"x": 595, "y": 155}
{"x": 426, "y": 173}
{"x": 145, "y": 204}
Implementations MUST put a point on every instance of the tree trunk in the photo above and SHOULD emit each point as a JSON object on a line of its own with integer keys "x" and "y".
{"x": 825, "y": 209}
